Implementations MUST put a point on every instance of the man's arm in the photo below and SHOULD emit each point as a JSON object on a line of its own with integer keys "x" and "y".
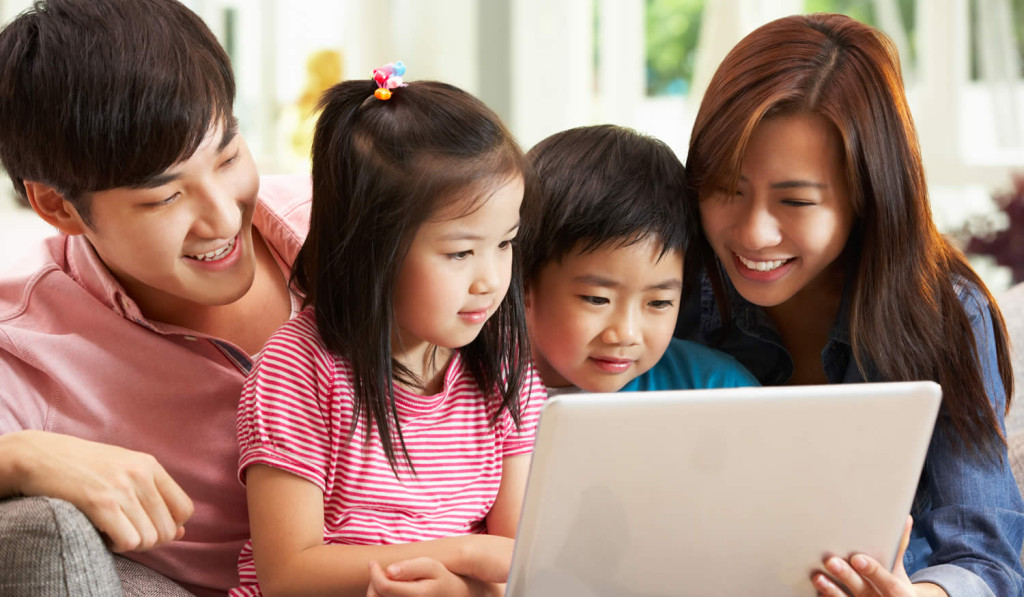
{"x": 127, "y": 495}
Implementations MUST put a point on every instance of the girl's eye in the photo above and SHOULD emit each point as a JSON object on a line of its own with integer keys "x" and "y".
{"x": 506, "y": 244}
{"x": 231, "y": 160}
{"x": 661, "y": 304}
{"x": 460, "y": 255}
{"x": 594, "y": 300}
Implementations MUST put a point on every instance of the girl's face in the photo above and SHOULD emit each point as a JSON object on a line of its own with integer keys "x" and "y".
{"x": 456, "y": 272}
{"x": 786, "y": 225}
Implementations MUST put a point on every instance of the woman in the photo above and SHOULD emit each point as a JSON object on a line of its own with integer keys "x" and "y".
{"x": 805, "y": 165}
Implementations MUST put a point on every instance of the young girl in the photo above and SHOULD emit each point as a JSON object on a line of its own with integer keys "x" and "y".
{"x": 385, "y": 432}
{"x": 806, "y": 169}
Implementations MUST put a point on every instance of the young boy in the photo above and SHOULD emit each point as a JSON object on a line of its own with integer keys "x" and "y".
{"x": 603, "y": 232}
{"x": 124, "y": 341}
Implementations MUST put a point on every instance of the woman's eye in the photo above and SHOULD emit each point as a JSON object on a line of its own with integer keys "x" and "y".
{"x": 797, "y": 202}
{"x": 506, "y": 244}
{"x": 594, "y": 300}
{"x": 460, "y": 255}
{"x": 661, "y": 304}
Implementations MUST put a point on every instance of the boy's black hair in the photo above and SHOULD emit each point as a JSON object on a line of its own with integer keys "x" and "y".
{"x": 380, "y": 170}
{"x": 598, "y": 186}
{"x": 99, "y": 94}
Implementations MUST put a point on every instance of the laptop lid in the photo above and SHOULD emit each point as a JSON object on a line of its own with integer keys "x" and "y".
{"x": 717, "y": 492}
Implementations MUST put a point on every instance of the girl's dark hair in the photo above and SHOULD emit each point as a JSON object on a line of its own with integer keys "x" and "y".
{"x": 380, "y": 169}
{"x": 906, "y": 320}
{"x": 98, "y": 94}
{"x": 595, "y": 186}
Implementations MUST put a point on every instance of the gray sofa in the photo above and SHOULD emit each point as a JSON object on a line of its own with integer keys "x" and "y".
{"x": 49, "y": 549}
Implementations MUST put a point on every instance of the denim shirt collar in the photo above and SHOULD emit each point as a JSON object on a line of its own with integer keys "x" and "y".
{"x": 765, "y": 345}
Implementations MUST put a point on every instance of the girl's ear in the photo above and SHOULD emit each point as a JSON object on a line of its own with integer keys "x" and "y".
{"x": 54, "y": 208}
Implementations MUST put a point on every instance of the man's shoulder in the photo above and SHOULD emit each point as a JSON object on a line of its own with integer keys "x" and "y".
{"x": 283, "y": 216}
{"x": 38, "y": 279}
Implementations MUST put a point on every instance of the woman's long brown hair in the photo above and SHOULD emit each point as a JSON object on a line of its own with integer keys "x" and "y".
{"x": 906, "y": 321}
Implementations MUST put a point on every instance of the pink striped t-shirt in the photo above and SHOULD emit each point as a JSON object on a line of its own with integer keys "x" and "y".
{"x": 296, "y": 413}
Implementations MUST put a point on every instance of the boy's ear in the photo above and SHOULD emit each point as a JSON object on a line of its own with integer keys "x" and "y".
{"x": 54, "y": 208}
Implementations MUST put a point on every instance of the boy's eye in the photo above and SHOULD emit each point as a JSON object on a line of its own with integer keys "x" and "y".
{"x": 594, "y": 300}
{"x": 460, "y": 255}
{"x": 661, "y": 304}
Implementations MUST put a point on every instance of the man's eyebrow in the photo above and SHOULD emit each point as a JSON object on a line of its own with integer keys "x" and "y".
{"x": 165, "y": 177}
{"x": 230, "y": 132}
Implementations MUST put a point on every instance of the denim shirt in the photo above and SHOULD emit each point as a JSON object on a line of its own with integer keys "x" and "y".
{"x": 968, "y": 513}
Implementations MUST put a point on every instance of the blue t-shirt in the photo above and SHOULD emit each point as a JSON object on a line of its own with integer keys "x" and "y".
{"x": 688, "y": 365}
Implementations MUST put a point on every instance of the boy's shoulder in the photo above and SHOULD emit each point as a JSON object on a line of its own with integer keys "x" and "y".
{"x": 688, "y": 365}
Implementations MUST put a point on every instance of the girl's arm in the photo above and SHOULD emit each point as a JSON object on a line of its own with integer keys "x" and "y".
{"x": 287, "y": 524}
{"x": 485, "y": 566}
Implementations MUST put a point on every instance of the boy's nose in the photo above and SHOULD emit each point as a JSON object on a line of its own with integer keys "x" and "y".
{"x": 623, "y": 330}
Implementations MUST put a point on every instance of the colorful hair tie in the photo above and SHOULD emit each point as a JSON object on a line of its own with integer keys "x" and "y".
{"x": 388, "y": 77}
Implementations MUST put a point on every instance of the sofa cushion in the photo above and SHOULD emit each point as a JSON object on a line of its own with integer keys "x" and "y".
{"x": 49, "y": 548}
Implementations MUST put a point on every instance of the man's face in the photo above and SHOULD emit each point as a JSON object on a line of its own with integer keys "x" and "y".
{"x": 184, "y": 239}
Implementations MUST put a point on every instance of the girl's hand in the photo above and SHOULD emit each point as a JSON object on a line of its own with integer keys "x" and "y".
{"x": 863, "y": 576}
{"x": 423, "y": 577}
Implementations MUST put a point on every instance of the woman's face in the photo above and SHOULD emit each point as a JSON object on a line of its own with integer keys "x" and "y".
{"x": 786, "y": 225}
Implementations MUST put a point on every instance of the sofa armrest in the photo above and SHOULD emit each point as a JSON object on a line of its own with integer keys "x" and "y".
{"x": 49, "y": 548}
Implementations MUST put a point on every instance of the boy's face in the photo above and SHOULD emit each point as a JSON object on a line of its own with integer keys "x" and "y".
{"x": 186, "y": 240}
{"x": 599, "y": 319}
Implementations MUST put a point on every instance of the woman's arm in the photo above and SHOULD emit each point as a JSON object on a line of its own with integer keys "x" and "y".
{"x": 287, "y": 523}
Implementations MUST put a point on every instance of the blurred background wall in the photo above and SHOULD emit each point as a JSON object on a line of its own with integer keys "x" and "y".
{"x": 546, "y": 65}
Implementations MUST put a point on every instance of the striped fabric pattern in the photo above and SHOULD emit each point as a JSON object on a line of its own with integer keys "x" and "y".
{"x": 296, "y": 413}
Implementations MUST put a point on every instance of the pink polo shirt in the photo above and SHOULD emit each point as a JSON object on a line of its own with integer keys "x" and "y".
{"x": 77, "y": 357}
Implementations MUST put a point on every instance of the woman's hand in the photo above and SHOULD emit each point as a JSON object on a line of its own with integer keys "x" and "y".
{"x": 863, "y": 576}
{"x": 423, "y": 577}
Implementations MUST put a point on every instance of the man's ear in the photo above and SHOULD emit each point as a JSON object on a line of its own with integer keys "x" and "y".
{"x": 54, "y": 208}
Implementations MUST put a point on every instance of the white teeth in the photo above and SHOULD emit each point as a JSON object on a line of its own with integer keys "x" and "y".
{"x": 762, "y": 266}
{"x": 214, "y": 255}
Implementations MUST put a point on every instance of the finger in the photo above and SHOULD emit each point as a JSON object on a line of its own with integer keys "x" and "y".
{"x": 178, "y": 502}
{"x": 119, "y": 533}
{"x": 884, "y": 581}
{"x": 376, "y": 577}
{"x": 139, "y": 518}
{"x": 841, "y": 572}
{"x": 897, "y": 566}
{"x": 159, "y": 514}
{"x": 826, "y": 587}
{"x": 415, "y": 569}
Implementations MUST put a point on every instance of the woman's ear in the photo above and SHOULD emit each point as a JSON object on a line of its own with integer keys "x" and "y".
{"x": 54, "y": 208}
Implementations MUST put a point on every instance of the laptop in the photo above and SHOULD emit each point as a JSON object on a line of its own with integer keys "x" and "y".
{"x": 737, "y": 491}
